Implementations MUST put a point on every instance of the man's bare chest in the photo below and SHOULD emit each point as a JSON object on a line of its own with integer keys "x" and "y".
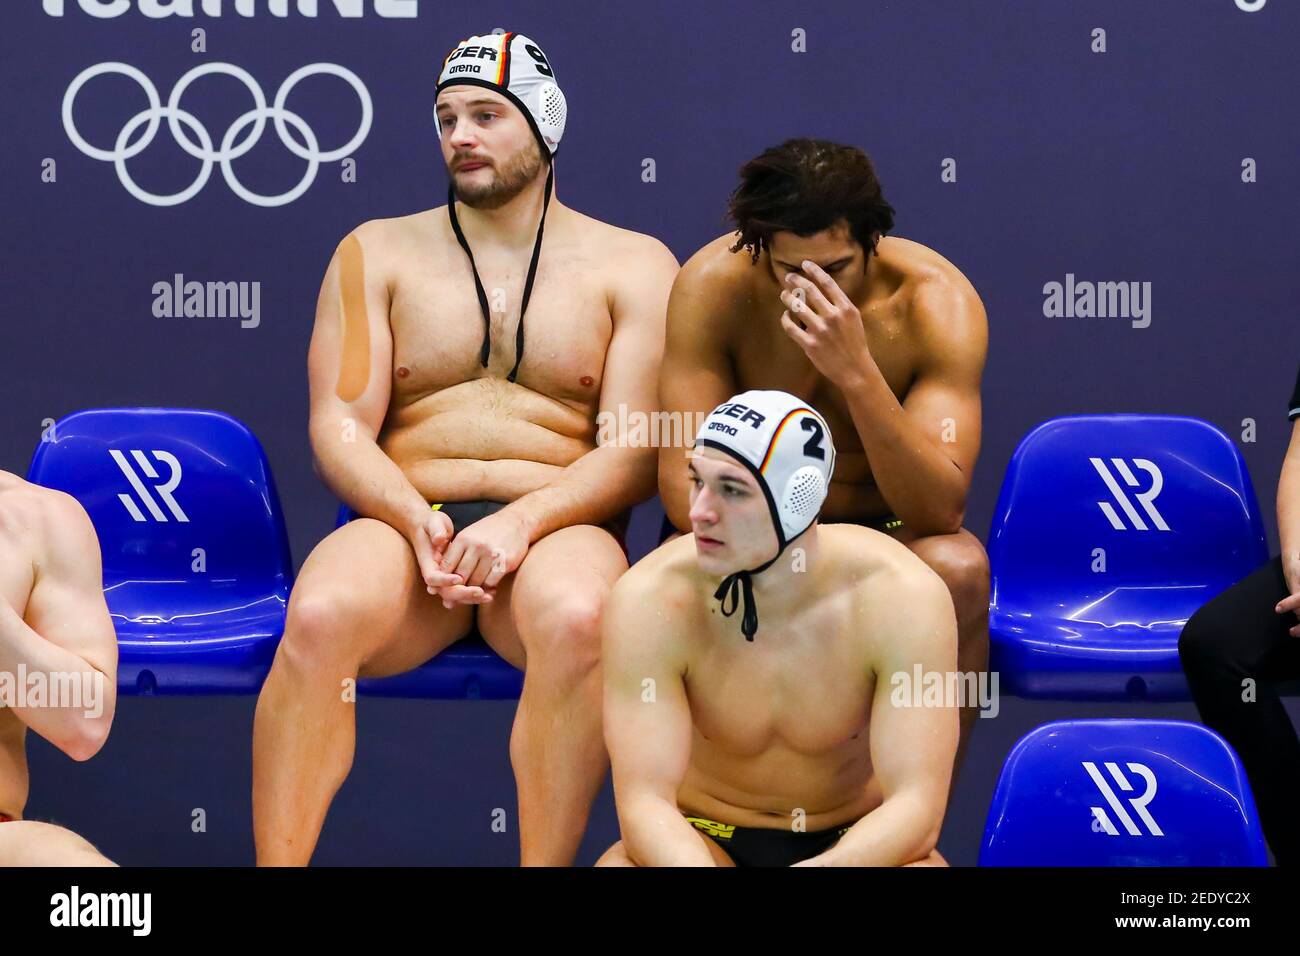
{"x": 810, "y": 696}
{"x": 439, "y": 330}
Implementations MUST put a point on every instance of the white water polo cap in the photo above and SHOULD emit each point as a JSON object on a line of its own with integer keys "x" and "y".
{"x": 514, "y": 66}
{"x": 787, "y": 447}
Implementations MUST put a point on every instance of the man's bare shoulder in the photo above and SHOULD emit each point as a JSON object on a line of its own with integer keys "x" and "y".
{"x": 715, "y": 270}
{"x": 40, "y": 519}
{"x": 669, "y": 575}
{"x": 900, "y": 604}
{"x": 877, "y": 564}
{"x": 616, "y": 245}
{"x": 383, "y": 236}
{"x": 942, "y": 303}
{"x": 20, "y": 505}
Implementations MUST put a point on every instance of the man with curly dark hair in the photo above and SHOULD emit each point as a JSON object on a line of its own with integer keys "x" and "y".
{"x": 883, "y": 335}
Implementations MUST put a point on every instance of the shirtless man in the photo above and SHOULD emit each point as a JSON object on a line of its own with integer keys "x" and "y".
{"x": 777, "y": 739}
{"x": 460, "y": 361}
{"x": 882, "y": 335}
{"x": 56, "y": 638}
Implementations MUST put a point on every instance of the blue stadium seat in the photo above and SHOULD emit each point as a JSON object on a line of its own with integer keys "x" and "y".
{"x": 469, "y": 669}
{"x": 1110, "y": 531}
{"x": 197, "y": 569}
{"x": 1122, "y": 793}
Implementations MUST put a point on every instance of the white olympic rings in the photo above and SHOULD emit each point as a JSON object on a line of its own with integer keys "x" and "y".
{"x": 178, "y": 120}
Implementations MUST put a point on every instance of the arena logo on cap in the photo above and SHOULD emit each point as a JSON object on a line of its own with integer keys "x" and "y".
{"x": 159, "y": 9}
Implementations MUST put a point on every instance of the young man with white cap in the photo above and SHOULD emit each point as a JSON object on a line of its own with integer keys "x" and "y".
{"x": 753, "y": 669}
{"x": 459, "y": 360}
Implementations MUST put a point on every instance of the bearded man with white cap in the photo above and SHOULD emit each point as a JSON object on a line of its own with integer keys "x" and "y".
{"x": 458, "y": 363}
{"x": 753, "y": 668}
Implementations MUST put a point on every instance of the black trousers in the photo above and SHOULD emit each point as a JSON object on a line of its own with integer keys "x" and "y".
{"x": 1236, "y": 637}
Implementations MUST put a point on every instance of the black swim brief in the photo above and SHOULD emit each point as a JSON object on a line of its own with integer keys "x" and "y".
{"x": 754, "y": 846}
{"x": 888, "y": 524}
{"x": 465, "y": 513}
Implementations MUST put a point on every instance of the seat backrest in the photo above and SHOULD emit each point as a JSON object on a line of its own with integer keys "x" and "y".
{"x": 1165, "y": 504}
{"x": 1122, "y": 793}
{"x": 182, "y": 495}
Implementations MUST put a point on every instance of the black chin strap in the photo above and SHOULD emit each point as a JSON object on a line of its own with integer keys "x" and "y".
{"x": 486, "y": 350}
{"x": 737, "y": 585}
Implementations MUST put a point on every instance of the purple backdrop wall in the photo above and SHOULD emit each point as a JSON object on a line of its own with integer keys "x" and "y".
{"x": 1170, "y": 159}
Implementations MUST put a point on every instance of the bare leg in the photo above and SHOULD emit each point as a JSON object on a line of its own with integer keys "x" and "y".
{"x": 960, "y": 560}
{"x": 28, "y": 843}
{"x": 557, "y": 748}
{"x": 934, "y": 859}
{"x": 359, "y": 608}
{"x": 617, "y": 855}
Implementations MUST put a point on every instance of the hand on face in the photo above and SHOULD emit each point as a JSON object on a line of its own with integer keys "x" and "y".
{"x": 825, "y": 323}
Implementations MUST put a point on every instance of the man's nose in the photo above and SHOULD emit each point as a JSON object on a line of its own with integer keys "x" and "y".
{"x": 461, "y": 135}
{"x": 702, "y": 510}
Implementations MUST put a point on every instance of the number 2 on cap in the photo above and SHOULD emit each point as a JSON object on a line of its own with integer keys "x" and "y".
{"x": 813, "y": 446}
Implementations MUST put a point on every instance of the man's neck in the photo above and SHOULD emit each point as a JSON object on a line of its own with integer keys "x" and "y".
{"x": 790, "y": 578}
{"x": 513, "y": 224}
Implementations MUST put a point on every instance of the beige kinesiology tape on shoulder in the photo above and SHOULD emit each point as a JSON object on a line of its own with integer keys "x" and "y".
{"x": 354, "y": 355}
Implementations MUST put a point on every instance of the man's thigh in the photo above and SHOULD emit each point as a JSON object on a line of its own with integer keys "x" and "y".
{"x": 581, "y": 560}
{"x": 29, "y": 843}
{"x": 960, "y": 559}
{"x": 362, "y": 585}
{"x": 617, "y": 854}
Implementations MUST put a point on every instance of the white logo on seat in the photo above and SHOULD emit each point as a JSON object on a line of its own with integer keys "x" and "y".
{"x": 1145, "y": 499}
{"x": 1139, "y": 804}
{"x": 164, "y": 491}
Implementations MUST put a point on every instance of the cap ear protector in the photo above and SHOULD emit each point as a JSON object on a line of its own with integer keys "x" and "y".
{"x": 802, "y": 497}
{"x": 787, "y": 447}
{"x": 514, "y": 66}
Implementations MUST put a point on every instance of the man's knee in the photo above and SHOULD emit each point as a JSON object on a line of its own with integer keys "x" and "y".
{"x": 326, "y": 628}
{"x": 564, "y": 634}
{"x": 935, "y": 858}
{"x": 31, "y": 843}
{"x": 963, "y": 564}
{"x": 615, "y": 856}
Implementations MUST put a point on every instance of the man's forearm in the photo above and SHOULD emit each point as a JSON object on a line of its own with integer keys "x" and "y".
{"x": 656, "y": 834}
{"x": 362, "y": 476}
{"x": 78, "y": 725}
{"x": 903, "y": 829}
{"x": 921, "y": 484}
{"x": 603, "y": 483}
